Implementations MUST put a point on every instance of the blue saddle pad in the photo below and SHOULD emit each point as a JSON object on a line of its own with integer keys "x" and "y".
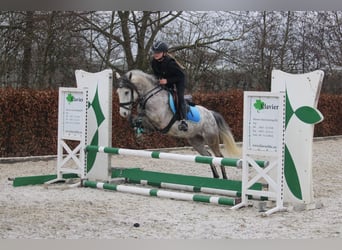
{"x": 193, "y": 114}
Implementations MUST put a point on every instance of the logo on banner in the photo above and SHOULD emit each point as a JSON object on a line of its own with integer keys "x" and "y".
{"x": 71, "y": 98}
{"x": 260, "y": 105}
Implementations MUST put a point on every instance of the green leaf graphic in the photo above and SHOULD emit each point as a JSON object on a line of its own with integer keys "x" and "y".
{"x": 309, "y": 115}
{"x": 91, "y": 156}
{"x": 291, "y": 175}
{"x": 289, "y": 110}
{"x": 70, "y": 98}
{"x": 259, "y": 105}
{"x": 97, "y": 108}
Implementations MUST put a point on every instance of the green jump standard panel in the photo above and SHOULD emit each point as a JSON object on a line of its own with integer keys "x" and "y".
{"x": 39, "y": 179}
{"x": 135, "y": 175}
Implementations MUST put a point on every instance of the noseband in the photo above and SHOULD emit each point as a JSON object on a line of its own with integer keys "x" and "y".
{"x": 126, "y": 83}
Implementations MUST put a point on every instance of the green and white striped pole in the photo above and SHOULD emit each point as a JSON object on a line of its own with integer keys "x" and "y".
{"x": 232, "y": 162}
{"x": 163, "y": 193}
{"x": 189, "y": 188}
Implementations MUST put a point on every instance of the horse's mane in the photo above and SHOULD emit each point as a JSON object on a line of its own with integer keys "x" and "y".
{"x": 142, "y": 76}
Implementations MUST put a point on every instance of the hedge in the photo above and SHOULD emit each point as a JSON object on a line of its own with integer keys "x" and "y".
{"x": 28, "y": 121}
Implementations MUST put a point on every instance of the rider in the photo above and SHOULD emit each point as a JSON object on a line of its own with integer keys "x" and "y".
{"x": 170, "y": 75}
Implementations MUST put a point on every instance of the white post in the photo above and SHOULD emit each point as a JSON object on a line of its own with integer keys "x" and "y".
{"x": 99, "y": 116}
{"x": 263, "y": 136}
{"x": 72, "y": 120}
{"x": 302, "y": 93}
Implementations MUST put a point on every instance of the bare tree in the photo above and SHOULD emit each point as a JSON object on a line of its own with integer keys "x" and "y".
{"x": 268, "y": 46}
{"x": 204, "y": 45}
{"x": 8, "y": 47}
{"x": 219, "y": 49}
{"x": 40, "y": 49}
{"x": 59, "y": 49}
{"x": 27, "y": 46}
{"x": 129, "y": 34}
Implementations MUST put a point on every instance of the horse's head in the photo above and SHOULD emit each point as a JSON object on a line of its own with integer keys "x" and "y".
{"x": 131, "y": 86}
{"x": 127, "y": 92}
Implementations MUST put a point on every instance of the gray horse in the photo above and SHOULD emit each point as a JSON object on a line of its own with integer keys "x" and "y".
{"x": 137, "y": 87}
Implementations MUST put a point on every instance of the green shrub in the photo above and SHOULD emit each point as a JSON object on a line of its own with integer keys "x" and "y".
{"x": 28, "y": 121}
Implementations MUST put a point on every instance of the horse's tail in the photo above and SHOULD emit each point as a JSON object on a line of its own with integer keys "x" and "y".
{"x": 226, "y": 135}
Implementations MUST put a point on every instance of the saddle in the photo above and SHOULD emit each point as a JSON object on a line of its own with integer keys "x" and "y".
{"x": 192, "y": 112}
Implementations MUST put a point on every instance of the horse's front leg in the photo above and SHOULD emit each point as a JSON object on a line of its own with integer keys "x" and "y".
{"x": 147, "y": 125}
{"x": 224, "y": 173}
{"x": 198, "y": 144}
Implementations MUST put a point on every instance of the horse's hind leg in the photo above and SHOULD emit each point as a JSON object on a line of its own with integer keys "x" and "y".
{"x": 198, "y": 145}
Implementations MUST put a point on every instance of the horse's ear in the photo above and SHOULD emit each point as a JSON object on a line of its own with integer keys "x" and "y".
{"x": 117, "y": 75}
{"x": 130, "y": 76}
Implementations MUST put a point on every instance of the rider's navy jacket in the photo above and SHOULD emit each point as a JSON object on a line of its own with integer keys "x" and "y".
{"x": 170, "y": 70}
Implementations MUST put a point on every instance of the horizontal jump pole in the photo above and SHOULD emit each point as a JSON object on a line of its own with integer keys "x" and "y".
{"x": 183, "y": 182}
{"x": 232, "y": 162}
{"x": 163, "y": 193}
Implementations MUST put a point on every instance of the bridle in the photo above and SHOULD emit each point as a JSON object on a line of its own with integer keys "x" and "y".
{"x": 124, "y": 82}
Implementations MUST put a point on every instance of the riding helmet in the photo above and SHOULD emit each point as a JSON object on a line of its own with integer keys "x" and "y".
{"x": 160, "y": 47}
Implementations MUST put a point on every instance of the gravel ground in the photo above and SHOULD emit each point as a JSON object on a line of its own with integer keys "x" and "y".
{"x": 59, "y": 212}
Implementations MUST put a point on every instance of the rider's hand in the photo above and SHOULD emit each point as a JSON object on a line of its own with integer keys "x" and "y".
{"x": 163, "y": 81}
